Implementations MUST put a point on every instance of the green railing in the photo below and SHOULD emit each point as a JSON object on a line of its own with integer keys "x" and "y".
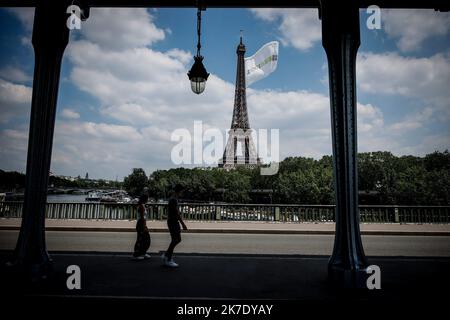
{"x": 235, "y": 212}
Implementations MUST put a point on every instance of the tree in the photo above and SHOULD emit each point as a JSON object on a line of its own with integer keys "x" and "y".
{"x": 388, "y": 178}
{"x": 135, "y": 183}
{"x": 237, "y": 187}
{"x": 437, "y": 161}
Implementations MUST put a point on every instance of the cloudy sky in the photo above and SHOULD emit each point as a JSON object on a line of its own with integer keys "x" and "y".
{"x": 124, "y": 88}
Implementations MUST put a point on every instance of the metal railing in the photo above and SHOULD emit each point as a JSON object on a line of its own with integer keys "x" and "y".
{"x": 235, "y": 212}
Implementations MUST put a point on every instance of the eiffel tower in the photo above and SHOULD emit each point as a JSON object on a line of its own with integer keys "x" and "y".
{"x": 240, "y": 132}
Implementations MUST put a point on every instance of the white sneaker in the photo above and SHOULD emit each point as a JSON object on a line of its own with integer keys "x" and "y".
{"x": 171, "y": 264}
{"x": 163, "y": 257}
{"x": 146, "y": 256}
{"x": 139, "y": 258}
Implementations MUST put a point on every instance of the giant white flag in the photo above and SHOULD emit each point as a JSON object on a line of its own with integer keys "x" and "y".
{"x": 262, "y": 63}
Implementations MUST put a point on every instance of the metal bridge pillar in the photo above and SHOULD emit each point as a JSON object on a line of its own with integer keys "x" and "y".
{"x": 50, "y": 37}
{"x": 341, "y": 39}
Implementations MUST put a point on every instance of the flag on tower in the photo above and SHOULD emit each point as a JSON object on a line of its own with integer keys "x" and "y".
{"x": 262, "y": 63}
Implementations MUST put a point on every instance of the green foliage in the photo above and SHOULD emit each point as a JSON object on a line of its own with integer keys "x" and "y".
{"x": 11, "y": 180}
{"x": 135, "y": 183}
{"x": 237, "y": 186}
{"x": 386, "y": 178}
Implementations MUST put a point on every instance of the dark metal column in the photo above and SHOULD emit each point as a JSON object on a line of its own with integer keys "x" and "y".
{"x": 50, "y": 37}
{"x": 341, "y": 39}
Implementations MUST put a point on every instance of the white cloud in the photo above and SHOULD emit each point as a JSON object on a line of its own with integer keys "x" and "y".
{"x": 411, "y": 28}
{"x": 130, "y": 113}
{"x": 303, "y": 118}
{"x": 141, "y": 86}
{"x": 109, "y": 78}
{"x": 402, "y": 144}
{"x": 14, "y": 74}
{"x": 412, "y": 121}
{"x": 70, "y": 114}
{"x": 118, "y": 28}
{"x": 98, "y": 148}
{"x": 25, "y": 15}
{"x": 130, "y": 93}
{"x": 183, "y": 56}
{"x": 15, "y": 100}
{"x": 299, "y": 28}
{"x": 409, "y": 135}
{"x": 393, "y": 74}
{"x": 370, "y": 118}
{"x": 13, "y": 149}
{"x": 422, "y": 80}
{"x": 106, "y": 150}
{"x": 101, "y": 131}
{"x": 144, "y": 95}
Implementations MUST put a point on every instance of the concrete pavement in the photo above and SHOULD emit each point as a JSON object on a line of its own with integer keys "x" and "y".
{"x": 280, "y": 264}
{"x": 229, "y": 243}
{"x": 225, "y": 263}
{"x": 273, "y": 277}
{"x": 235, "y": 227}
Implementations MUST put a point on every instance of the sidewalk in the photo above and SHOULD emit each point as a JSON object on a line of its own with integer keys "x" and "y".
{"x": 236, "y": 227}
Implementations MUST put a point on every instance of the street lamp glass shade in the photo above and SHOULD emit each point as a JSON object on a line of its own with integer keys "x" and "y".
{"x": 198, "y": 85}
{"x": 198, "y": 75}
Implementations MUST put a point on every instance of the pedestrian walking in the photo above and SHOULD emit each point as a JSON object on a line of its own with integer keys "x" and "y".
{"x": 143, "y": 235}
{"x": 174, "y": 220}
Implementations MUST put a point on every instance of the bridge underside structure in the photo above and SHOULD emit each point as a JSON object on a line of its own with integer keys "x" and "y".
{"x": 340, "y": 39}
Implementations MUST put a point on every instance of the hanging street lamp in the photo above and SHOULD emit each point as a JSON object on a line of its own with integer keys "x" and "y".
{"x": 198, "y": 74}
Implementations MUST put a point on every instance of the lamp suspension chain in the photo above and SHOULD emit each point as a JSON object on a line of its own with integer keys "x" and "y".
{"x": 199, "y": 23}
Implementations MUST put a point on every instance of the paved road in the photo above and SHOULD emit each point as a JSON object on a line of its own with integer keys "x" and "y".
{"x": 410, "y": 282}
{"x": 238, "y": 243}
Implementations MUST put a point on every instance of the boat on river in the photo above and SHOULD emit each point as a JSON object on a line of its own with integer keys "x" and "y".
{"x": 116, "y": 196}
{"x": 94, "y": 196}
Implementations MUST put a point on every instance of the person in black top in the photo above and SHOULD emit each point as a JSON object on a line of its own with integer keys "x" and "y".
{"x": 173, "y": 223}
